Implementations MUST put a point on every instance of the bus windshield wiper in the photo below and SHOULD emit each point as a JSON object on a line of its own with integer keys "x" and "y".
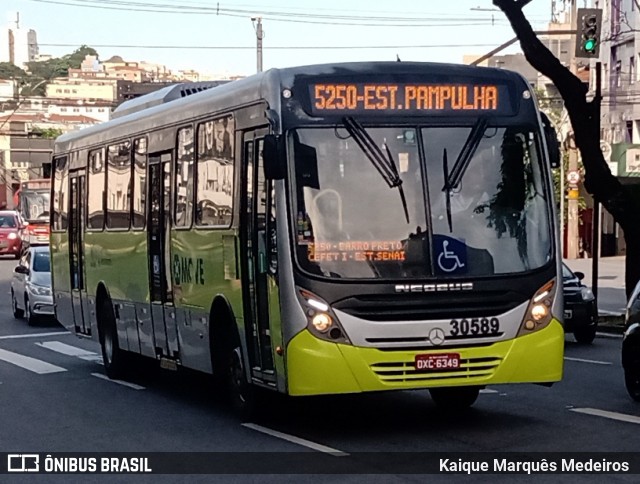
{"x": 383, "y": 162}
{"x": 447, "y": 190}
{"x": 452, "y": 181}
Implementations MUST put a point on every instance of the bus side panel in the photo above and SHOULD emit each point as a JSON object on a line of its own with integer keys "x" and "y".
{"x": 61, "y": 281}
{"x": 198, "y": 271}
{"x": 119, "y": 260}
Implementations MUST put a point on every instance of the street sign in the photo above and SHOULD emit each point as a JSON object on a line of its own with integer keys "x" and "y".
{"x": 573, "y": 177}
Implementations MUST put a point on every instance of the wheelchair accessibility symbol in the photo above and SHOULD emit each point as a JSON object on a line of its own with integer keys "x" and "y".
{"x": 452, "y": 256}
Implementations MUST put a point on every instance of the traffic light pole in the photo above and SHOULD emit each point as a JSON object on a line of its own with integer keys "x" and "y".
{"x": 595, "y": 243}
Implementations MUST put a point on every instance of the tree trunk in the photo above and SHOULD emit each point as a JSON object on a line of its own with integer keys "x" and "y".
{"x": 599, "y": 182}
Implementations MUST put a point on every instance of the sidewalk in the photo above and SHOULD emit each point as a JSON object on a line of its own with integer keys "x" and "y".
{"x": 612, "y": 298}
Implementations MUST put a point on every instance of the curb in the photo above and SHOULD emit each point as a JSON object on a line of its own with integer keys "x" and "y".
{"x": 611, "y": 324}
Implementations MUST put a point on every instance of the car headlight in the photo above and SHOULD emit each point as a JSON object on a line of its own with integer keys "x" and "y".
{"x": 39, "y": 290}
{"x": 587, "y": 294}
{"x": 12, "y": 236}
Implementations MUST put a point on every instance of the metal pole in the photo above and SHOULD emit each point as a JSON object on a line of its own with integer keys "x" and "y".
{"x": 562, "y": 196}
{"x": 259, "y": 43}
{"x": 573, "y": 223}
{"x": 595, "y": 243}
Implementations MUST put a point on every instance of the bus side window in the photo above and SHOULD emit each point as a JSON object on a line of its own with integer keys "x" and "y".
{"x": 138, "y": 183}
{"x": 95, "y": 212}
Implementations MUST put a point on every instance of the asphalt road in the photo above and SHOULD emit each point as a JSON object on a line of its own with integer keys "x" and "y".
{"x": 59, "y": 401}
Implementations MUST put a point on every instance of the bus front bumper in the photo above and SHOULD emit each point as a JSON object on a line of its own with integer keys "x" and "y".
{"x": 317, "y": 367}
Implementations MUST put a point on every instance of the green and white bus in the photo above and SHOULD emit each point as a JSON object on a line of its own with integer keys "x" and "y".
{"x": 312, "y": 230}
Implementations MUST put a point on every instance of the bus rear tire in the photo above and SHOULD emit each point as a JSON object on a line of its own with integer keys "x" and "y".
{"x": 115, "y": 359}
{"x": 454, "y": 398}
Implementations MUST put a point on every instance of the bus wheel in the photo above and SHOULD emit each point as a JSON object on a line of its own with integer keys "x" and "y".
{"x": 454, "y": 398}
{"x": 112, "y": 356}
{"x": 632, "y": 382}
{"x": 241, "y": 392}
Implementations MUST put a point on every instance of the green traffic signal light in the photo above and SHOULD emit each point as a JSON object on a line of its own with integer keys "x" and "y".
{"x": 590, "y": 45}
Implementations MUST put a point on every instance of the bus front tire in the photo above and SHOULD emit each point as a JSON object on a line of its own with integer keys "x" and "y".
{"x": 242, "y": 394}
{"x": 113, "y": 357}
{"x": 454, "y": 398}
{"x": 632, "y": 382}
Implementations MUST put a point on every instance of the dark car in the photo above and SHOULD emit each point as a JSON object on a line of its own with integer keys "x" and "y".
{"x": 11, "y": 229}
{"x": 580, "y": 310}
{"x": 631, "y": 345}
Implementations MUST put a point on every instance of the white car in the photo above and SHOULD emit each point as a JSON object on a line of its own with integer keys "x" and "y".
{"x": 31, "y": 296}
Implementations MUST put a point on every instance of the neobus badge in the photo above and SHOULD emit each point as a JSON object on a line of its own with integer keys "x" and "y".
{"x": 454, "y": 286}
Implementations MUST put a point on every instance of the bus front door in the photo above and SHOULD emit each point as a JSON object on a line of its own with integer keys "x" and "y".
{"x": 76, "y": 226}
{"x": 256, "y": 278}
{"x": 163, "y": 313}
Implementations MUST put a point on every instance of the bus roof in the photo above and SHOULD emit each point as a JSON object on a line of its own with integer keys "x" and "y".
{"x": 263, "y": 86}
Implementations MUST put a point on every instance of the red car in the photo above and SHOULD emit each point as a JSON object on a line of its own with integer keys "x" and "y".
{"x": 11, "y": 227}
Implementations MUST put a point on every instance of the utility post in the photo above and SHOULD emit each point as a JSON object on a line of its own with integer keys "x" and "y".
{"x": 572, "y": 247}
{"x": 259, "y": 37}
{"x": 595, "y": 244}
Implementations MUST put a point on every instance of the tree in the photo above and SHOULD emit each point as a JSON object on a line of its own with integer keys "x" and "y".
{"x": 619, "y": 200}
{"x": 74, "y": 59}
{"x": 10, "y": 71}
{"x": 47, "y": 133}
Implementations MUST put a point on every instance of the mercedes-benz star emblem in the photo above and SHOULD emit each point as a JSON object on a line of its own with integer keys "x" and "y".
{"x": 436, "y": 336}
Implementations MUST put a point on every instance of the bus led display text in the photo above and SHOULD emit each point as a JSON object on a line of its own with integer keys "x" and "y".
{"x": 356, "y": 97}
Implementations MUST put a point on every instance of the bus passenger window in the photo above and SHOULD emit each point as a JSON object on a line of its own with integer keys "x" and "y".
{"x": 95, "y": 217}
{"x": 215, "y": 173}
{"x": 183, "y": 207}
{"x": 139, "y": 182}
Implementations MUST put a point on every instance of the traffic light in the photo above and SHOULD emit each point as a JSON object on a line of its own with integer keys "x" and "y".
{"x": 589, "y": 35}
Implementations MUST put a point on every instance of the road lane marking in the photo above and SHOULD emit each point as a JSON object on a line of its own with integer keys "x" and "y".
{"x": 582, "y": 360}
{"x": 622, "y": 417}
{"x": 70, "y": 350}
{"x": 119, "y": 382}
{"x": 35, "y": 335}
{"x": 37, "y": 366}
{"x": 609, "y": 335}
{"x": 296, "y": 440}
{"x": 65, "y": 349}
{"x": 488, "y": 390}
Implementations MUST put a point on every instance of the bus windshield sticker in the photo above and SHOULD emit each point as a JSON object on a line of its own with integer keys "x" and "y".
{"x": 451, "y": 255}
{"x": 342, "y": 98}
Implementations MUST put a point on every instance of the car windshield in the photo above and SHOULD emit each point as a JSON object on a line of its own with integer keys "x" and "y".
{"x": 7, "y": 221}
{"x": 350, "y": 222}
{"x": 41, "y": 262}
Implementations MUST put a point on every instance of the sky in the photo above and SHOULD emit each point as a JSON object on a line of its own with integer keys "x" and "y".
{"x": 220, "y": 37}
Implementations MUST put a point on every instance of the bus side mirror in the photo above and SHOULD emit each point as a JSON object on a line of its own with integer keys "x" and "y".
{"x": 551, "y": 137}
{"x": 273, "y": 157}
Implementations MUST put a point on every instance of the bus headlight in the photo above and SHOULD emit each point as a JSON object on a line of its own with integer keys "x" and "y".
{"x": 321, "y": 321}
{"x": 539, "y": 312}
{"x": 538, "y": 315}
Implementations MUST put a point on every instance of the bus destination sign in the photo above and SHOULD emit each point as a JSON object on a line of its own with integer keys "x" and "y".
{"x": 344, "y": 98}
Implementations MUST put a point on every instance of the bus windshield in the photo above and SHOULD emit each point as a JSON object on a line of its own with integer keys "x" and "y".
{"x": 349, "y": 222}
{"x": 35, "y": 205}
